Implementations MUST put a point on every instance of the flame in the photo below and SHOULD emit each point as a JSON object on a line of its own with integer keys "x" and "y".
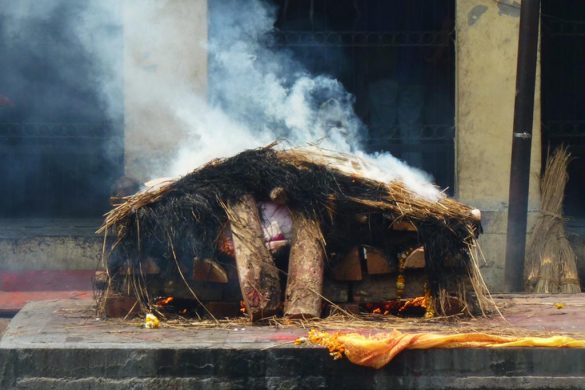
{"x": 164, "y": 301}
{"x": 415, "y": 302}
{"x": 243, "y": 307}
{"x": 397, "y": 306}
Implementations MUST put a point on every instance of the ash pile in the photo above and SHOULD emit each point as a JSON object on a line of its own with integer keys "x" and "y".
{"x": 295, "y": 232}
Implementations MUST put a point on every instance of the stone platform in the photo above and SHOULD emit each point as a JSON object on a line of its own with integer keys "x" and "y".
{"x": 61, "y": 345}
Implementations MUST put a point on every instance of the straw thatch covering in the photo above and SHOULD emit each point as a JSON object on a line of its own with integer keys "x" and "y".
{"x": 183, "y": 219}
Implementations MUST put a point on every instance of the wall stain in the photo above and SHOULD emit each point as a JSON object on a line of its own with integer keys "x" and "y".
{"x": 474, "y": 15}
{"x": 509, "y": 8}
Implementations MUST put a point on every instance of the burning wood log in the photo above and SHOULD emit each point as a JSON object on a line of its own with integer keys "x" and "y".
{"x": 349, "y": 268}
{"x": 416, "y": 259}
{"x": 404, "y": 226}
{"x": 376, "y": 261}
{"x": 207, "y": 270}
{"x": 257, "y": 272}
{"x": 304, "y": 286}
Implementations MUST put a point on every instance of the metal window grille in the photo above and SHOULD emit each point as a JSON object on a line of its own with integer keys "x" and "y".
{"x": 348, "y": 39}
{"x": 563, "y": 90}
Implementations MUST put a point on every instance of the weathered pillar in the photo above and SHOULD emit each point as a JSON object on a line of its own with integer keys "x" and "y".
{"x": 486, "y": 60}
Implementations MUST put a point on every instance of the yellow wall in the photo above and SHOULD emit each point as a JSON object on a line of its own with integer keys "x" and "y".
{"x": 486, "y": 47}
{"x": 164, "y": 58}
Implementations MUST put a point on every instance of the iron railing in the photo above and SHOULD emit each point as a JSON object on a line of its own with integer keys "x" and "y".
{"x": 56, "y": 130}
{"x": 361, "y": 38}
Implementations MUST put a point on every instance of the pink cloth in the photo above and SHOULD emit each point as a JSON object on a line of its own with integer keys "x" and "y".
{"x": 276, "y": 226}
{"x": 276, "y": 221}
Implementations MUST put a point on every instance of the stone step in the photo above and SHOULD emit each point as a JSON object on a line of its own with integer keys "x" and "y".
{"x": 49, "y": 244}
{"x": 60, "y": 344}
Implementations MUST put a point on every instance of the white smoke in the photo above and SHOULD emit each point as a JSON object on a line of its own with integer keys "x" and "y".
{"x": 257, "y": 93}
{"x": 70, "y": 35}
{"x": 262, "y": 94}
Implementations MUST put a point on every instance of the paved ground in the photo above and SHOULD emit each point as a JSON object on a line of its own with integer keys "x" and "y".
{"x": 546, "y": 313}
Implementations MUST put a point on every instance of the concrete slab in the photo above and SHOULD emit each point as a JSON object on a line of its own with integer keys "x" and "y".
{"x": 3, "y": 325}
{"x": 50, "y": 244}
{"x": 73, "y": 325}
{"x": 61, "y": 345}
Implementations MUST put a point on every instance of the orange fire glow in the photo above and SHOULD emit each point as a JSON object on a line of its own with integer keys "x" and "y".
{"x": 415, "y": 302}
{"x": 164, "y": 301}
{"x": 398, "y": 306}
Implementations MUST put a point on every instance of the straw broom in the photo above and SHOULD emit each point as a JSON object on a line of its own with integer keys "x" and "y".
{"x": 551, "y": 259}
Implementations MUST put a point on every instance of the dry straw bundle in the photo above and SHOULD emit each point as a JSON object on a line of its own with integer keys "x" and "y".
{"x": 551, "y": 260}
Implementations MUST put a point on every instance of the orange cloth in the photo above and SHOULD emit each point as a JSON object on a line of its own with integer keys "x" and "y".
{"x": 378, "y": 350}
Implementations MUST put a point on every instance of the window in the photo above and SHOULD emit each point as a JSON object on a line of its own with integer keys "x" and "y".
{"x": 397, "y": 58}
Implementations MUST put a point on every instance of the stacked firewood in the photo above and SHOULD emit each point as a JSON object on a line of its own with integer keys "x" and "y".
{"x": 208, "y": 236}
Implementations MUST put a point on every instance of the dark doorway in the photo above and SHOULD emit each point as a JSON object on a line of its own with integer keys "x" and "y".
{"x": 60, "y": 138}
{"x": 563, "y": 91}
{"x": 397, "y": 58}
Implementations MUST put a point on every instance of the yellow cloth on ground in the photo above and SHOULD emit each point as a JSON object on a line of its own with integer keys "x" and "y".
{"x": 378, "y": 350}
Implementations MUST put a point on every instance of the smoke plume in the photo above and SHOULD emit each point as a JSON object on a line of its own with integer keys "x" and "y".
{"x": 256, "y": 93}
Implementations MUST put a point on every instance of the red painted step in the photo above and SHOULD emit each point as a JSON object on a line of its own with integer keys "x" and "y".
{"x": 61, "y": 280}
{"x": 17, "y": 288}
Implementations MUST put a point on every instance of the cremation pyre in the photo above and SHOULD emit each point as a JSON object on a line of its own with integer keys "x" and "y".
{"x": 286, "y": 231}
